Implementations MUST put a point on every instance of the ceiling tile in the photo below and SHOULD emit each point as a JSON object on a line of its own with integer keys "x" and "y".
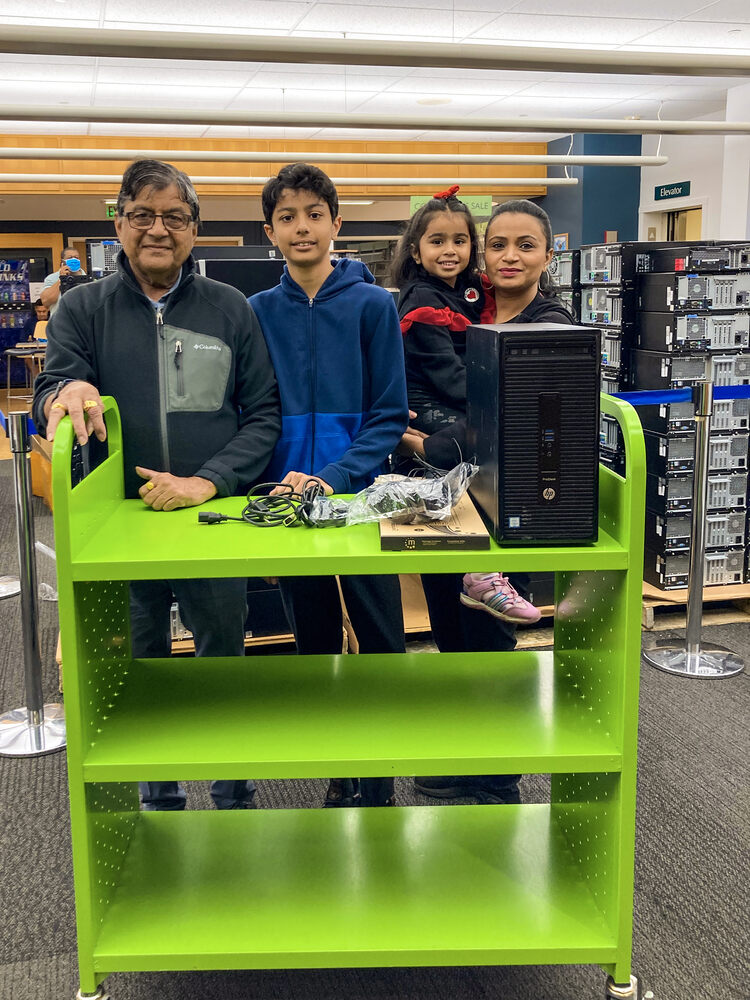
{"x": 390, "y": 103}
{"x": 544, "y": 107}
{"x": 694, "y": 92}
{"x": 143, "y": 95}
{"x": 323, "y": 81}
{"x": 701, "y": 35}
{"x": 178, "y": 74}
{"x": 399, "y": 19}
{"x": 45, "y": 92}
{"x": 257, "y": 132}
{"x": 488, "y": 89}
{"x": 724, "y": 10}
{"x": 428, "y": 136}
{"x": 588, "y": 91}
{"x": 369, "y": 134}
{"x": 42, "y": 71}
{"x": 49, "y": 12}
{"x": 332, "y": 101}
{"x": 43, "y": 128}
{"x": 275, "y": 15}
{"x": 665, "y": 9}
{"x": 558, "y": 29}
{"x": 120, "y": 128}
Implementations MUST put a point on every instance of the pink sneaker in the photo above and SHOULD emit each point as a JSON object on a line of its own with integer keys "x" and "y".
{"x": 494, "y": 592}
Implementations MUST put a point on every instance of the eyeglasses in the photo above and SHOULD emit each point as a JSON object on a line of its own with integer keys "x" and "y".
{"x": 175, "y": 222}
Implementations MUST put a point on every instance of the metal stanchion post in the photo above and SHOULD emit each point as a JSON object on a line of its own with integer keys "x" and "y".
{"x": 10, "y": 586}
{"x": 691, "y": 659}
{"x": 36, "y": 728}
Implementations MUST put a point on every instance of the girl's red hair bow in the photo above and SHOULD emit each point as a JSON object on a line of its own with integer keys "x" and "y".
{"x": 447, "y": 194}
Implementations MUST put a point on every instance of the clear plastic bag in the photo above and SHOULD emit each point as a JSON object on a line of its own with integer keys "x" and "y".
{"x": 402, "y": 499}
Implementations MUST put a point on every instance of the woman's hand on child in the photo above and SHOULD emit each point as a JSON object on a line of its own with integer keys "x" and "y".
{"x": 412, "y": 443}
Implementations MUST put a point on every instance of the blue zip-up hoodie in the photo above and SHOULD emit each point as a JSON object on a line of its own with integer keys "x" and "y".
{"x": 339, "y": 362}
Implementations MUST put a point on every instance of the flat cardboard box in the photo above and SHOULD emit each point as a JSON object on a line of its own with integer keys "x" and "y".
{"x": 464, "y": 529}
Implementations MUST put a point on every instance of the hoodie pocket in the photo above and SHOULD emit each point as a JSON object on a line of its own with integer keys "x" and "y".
{"x": 198, "y": 370}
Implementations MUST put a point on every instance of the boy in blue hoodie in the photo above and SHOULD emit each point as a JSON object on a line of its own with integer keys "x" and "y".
{"x": 336, "y": 345}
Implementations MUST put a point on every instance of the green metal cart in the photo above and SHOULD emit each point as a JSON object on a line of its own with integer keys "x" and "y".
{"x": 321, "y": 888}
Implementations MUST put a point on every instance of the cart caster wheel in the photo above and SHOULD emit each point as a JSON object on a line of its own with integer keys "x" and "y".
{"x": 624, "y": 991}
{"x": 99, "y": 995}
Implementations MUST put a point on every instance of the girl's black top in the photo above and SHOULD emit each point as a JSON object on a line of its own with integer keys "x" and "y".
{"x": 447, "y": 447}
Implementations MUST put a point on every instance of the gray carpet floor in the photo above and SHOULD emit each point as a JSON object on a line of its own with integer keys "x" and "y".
{"x": 691, "y": 879}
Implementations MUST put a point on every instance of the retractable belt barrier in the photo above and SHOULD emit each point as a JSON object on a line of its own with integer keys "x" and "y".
{"x": 690, "y": 659}
{"x": 36, "y": 728}
{"x": 10, "y": 585}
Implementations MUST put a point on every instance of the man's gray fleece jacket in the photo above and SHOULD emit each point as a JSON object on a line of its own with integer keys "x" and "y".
{"x": 193, "y": 382}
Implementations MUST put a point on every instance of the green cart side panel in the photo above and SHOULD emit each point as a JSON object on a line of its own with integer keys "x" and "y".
{"x": 103, "y": 827}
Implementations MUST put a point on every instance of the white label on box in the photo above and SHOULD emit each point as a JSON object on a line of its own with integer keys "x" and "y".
{"x": 514, "y": 522}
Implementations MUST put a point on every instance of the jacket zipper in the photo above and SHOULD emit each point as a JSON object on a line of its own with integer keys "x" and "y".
{"x": 163, "y": 361}
{"x": 313, "y": 382}
{"x": 178, "y": 366}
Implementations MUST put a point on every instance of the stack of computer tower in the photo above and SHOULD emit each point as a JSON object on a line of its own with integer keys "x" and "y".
{"x": 564, "y": 270}
{"x": 608, "y": 295}
{"x": 692, "y": 325}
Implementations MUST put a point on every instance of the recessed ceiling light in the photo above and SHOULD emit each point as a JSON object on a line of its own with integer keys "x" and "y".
{"x": 434, "y": 100}
{"x": 356, "y": 201}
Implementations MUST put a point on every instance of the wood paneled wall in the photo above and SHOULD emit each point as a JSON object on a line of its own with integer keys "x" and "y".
{"x": 313, "y": 150}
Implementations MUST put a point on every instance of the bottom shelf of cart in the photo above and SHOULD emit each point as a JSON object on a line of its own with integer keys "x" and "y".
{"x": 315, "y": 888}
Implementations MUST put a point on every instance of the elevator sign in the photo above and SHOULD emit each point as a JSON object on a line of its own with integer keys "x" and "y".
{"x": 672, "y": 190}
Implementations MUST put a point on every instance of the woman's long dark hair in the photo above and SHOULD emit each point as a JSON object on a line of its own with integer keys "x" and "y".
{"x": 523, "y": 207}
{"x": 404, "y": 268}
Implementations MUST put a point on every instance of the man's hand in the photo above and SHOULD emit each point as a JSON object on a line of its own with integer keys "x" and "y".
{"x": 82, "y": 401}
{"x": 297, "y": 481}
{"x": 163, "y": 491}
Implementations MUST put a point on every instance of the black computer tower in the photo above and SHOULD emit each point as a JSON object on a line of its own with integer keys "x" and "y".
{"x": 533, "y": 427}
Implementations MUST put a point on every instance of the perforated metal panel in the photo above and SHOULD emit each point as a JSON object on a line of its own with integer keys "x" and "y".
{"x": 104, "y": 640}
{"x": 586, "y": 809}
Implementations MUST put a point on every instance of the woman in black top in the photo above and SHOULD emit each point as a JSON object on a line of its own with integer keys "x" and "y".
{"x": 518, "y": 249}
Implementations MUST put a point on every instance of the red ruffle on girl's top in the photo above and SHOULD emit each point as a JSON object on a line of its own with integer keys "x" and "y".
{"x": 455, "y": 321}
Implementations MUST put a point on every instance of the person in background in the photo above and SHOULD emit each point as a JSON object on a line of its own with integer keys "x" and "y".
{"x": 41, "y": 315}
{"x": 50, "y": 294}
{"x": 185, "y": 359}
{"x": 335, "y": 343}
{"x": 515, "y": 289}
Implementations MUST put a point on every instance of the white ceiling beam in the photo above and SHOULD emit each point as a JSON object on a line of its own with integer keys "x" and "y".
{"x": 338, "y": 181}
{"x": 338, "y": 120}
{"x": 322, "y": 156}
{"x": 145, "y": 43}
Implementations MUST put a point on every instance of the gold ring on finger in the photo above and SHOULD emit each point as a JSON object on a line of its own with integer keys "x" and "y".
{"x": 58, "y": 406}
{"x": 89, "y": 404}
{"x": 149, "y": 485}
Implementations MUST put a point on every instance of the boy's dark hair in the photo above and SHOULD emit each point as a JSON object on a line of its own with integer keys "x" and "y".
{"x": 299, "y": 177}
{"x": 523, "y": 207}
{"x": 156, "y": 174}
{"x": 404, "y": 268}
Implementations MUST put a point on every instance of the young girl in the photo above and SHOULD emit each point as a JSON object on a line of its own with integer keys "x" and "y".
{"x": 442, "y": 294}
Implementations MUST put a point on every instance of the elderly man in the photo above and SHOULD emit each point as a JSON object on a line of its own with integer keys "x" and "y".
{"x": 187, "y": 363}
